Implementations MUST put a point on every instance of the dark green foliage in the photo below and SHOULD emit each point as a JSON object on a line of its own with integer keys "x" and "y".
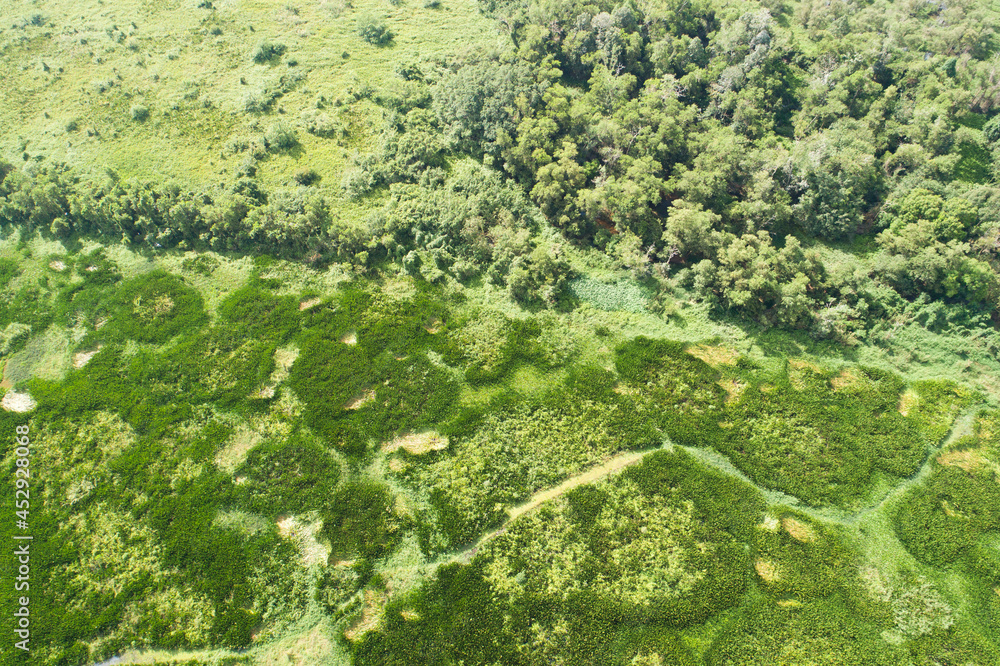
{"x": 954, "y": 647}
{"x": 677, "y": 391}
{"x": 252, "y": 313}
{"x": 819, "y": 441}
{"x": 766, "y": 634}
{"x": 266, "y": 51}
{"x": 374, "y": 31}
{"x": 596, "y": 627}
{"x": 943, "y": 523}
{"x": 813, "y": 563}
{"x": 360, "y": 522}
{"x": 389, "y": 359}
{"x": 154, "y": 308}
{"x": 725, "y": 504}
{"x": 459, "y": 617}
{"x": 8, "y": 271}
{"x": 294, "y": 476}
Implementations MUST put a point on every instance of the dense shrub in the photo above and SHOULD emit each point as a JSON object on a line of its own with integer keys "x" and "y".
{"x": 676, "y": 390}
{"x": 360, "y": 521}
{"x": 293, "y": 476}
{"x": 155, "y": 307}
{"x": 823, "y": 437}
{"x": 266, "y": 51}
{"x": 374, "y": 31}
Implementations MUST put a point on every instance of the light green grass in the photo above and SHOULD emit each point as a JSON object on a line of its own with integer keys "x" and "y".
{"x": 169, "y": 61}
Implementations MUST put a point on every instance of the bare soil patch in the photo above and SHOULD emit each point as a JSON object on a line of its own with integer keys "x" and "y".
{"x": 967, "y": 460}
{"x": 350, "y": 338}
{"x": 242, "y": 440}
{"x": 846, "y": 379}
{"x": 303, "y": 534}
{"x": 81, "y": 359}
{"x": 312, "y": 302}
{"x": 771, "y": 524}
{"x": 798, "y": 530}
{"x": 714, "y": 355}
{"x": 17, "y": 402}
{"x": 361, "y": 399}
{"x": 417, "y": 442}
{"x": 766, "y": 570}
{"x": 733, "y": 388}
{"x": 58, "y": 266}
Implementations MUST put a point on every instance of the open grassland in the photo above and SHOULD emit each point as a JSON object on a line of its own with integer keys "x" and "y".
{"x": 78, "y": 71}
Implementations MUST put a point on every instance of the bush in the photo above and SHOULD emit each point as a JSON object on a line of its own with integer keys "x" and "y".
{"x": 361, "y": 522}
{"x": 280, "y": 137}
{"x": 266, "y": 51}
{"x": 139, "y": 112}
{"x": 374, "y": 31}
{"x": 306, "y": 176}
{"x": 155, "y": 307}
{"x": 288, "y": 477}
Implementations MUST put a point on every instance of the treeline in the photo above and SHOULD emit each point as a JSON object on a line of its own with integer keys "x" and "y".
{"x": 724, "y": 144}
{"x": 471, "y": 223}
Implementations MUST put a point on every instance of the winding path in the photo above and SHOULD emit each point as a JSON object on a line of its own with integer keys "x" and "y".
{"x": 961, "y": 426}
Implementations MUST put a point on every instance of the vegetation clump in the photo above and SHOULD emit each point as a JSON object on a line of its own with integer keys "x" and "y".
{"x": 374, "y": 31}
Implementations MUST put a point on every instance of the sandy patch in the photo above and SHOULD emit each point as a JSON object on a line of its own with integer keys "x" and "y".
{"x": 766, "y": 570}
{"x": 361, "y": 399}
{"x": 771, "y": 524}
{"x": 714, "y": 355}
{"x": 433, "y": 326}
{"x": 81, "y": 359}
{"x": 410, "y": 615}
{"x": 99, "y": 324}
{"x": 966, "y": 460}
{"x": 845, "y": 380}
{"x": 799, "y": 364}
{"x": 798, "y": 530}
{"x": 349, "y": 338}
{"x": 799, "y": 372}
{"x": 312, "y": 302}
{"x": 242, "y": 440}
{"x": 733, "y": 388}
{"x": 58, "y": 266}
{"x": 371, "y": 614}
{"x": 417, "y": 443}
{"x": 625, "y": 389}
{"x": 907, "y": 402}
{"x": 17, "y": 402}
{"x": 90, "y": 269}
{"x": 303, "y": 533}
